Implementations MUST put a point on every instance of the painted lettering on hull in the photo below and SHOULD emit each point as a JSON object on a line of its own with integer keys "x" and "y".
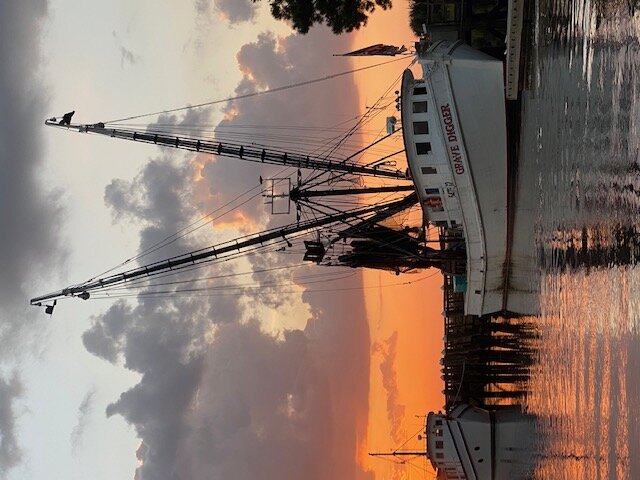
{"x": 452, "y": 139}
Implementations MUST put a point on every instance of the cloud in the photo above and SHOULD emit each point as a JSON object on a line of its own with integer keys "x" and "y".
{"x": 10, "y": 452}
{"x": 219, "y": 397}
{"x": 29, "y": 212}
{"x": 395, "y": 410}
{"x": 235, "y": 11}
{"x": 126, "y": 56}
{"x": 272, "y": 62}
{"x": 84, "y": 411}
{"x": 248, "y": 404}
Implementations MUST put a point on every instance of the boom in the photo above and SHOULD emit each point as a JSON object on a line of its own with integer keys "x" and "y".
{"x": 244, "y": 152}
{"x": 219, "y": 251}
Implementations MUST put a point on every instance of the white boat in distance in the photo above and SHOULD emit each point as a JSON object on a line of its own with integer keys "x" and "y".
{"x": 455, "y": 131}
{"x": 471, "y": 443}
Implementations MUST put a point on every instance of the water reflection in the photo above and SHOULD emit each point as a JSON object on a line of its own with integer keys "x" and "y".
{"x": 580, "y": 152}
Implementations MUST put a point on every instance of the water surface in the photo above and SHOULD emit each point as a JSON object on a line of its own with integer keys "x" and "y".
{"x": 580, "y": 155}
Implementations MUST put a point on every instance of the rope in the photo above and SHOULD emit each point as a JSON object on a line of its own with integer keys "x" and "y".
{"x": 255, "y": 94}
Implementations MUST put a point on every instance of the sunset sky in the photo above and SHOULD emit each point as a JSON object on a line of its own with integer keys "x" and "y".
{"x": 264, "y": 386}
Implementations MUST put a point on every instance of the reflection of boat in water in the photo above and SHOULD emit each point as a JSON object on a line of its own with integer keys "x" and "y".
{"x": 473, "y": 443}
{"x": 455, "y": 137}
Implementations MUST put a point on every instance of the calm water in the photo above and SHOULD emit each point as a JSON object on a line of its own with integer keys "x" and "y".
{"x": 581, "y": 149}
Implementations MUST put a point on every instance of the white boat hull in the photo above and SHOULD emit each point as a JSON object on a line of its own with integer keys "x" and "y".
{"x": 468, "y": 146}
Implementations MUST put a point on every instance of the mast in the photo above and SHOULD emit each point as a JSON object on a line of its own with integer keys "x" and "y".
{"x": 217, "y": 251}
{"x": 297, "y": 194}
{"x": 234, "y": 150}
{"x": 399, "y": 454}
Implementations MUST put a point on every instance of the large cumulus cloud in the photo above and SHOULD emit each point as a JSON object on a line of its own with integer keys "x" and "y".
{"x": 272, "y": 62}
{"x": 218, "y": 397}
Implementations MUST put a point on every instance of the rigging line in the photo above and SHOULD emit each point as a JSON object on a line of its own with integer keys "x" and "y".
{"x": 302, "y": 279}
{"x": 361, "y": 121}
{"x": 371, "y": 145}
{"x": 357, "y": 117}
{"x": 145, "y": 284}
{"x": 97, "y": 295}
{"x": 242, "y": 289}
{"x": 319, "y": 290}
{"x": 372, "y": 112}
{"x": 181, "y": 233}
{"x": 213, "y": 128}
{"x": 255, "y": 94}
{"x": 162, "y": 244}
{"x": 184, "y": 232}
{"x": 246, "y": 286}
{"x": 367, "y": 115}
{"x": 207, "y": 264}
{"x": 419, "y": 469}
{"x": 313, "y": 177}
{"x": 420, "y": 430}
{"x": 354, "y": 128}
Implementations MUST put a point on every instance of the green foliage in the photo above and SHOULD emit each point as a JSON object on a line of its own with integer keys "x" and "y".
{"x": 341, "y": 15}
{"x": 418, "y": 15}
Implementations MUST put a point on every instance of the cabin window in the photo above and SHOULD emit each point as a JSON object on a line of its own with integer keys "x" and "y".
{"x": 434, "y": 204}
{"x": 439, "y": 455}
{"x": 429, "y": 171}
{"x": 438, "y": 422}
{"x": 422, "y": 148}
{"x": 432, "y": 191}
{"x": 419, "y": 107}
{"x": 421, "y": 128}
{"x": 441, "y": 223}
{"x": 420, "y": 91}
{"x": 439, "y": 444}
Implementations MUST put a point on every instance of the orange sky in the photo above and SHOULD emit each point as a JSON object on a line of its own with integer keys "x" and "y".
{"x": 410, "y": 315}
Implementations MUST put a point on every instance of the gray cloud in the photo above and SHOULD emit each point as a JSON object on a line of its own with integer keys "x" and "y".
{"x": 29, "y": 211}
{"x": 268, "y": 63}
{"x": 127, "y": 56}
{"x": 235, "y": 11}
{"x": 248, "y": 404}
{"x": 10, "y": 452}
{"x": 84, "y": 411}
{"x": 218, "y": 398}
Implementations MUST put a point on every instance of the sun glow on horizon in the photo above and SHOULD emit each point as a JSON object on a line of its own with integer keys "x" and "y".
{"x": 405, "y": 322}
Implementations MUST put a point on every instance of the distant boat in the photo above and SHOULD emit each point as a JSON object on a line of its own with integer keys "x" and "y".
{"x": 472, "y": 443}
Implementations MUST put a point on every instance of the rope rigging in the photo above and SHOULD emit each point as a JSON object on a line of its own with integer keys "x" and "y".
{"x": 342, "y": 208}
{"x": 255, "y": 94}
